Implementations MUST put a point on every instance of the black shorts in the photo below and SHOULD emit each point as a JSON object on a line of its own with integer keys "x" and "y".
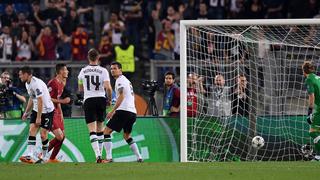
{"x": 95, "y": 109}
{"x": 46, "y": 119}
{"x": 122, "y": 120}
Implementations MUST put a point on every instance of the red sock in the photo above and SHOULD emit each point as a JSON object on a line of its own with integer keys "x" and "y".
{"x": 56, "y": 149}
{"x": 52, "y": 143}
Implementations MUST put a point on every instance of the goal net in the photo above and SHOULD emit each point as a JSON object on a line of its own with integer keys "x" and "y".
{"x": 243, "y": 78}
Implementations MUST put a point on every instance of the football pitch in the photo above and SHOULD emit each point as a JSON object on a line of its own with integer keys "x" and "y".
{"x": 198, "y": 171}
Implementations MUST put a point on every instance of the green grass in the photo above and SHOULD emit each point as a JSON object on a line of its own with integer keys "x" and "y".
{"x": 164, "y": 171}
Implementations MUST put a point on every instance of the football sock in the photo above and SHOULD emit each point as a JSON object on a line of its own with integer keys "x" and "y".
{"x": 100, "y": 141}
{"x": 52, "y": 143}
{"x": 56, "y": 149}
{"x": 31, "y": 145}
{"x": 94, "y": 143}
{"x": 44, "y": 147}
{"x": 134, "y": 148}
{"x": 108, "y": 146}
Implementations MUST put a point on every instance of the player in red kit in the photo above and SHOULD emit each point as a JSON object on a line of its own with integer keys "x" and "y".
{"x": 56, "y": 86}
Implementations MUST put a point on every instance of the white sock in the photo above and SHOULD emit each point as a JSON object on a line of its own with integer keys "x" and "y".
{"x": 108, "y": 146}
{"x": 31, "y": 146}
{"x": 100, "y": 141}
{"x": 134, "y": 148}
{"x": 95, "y": 144}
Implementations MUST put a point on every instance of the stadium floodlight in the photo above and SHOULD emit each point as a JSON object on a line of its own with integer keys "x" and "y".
{"x": 269, "y": 54}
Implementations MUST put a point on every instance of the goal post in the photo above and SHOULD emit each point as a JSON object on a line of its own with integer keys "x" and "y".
{"x": 268, "y": 53}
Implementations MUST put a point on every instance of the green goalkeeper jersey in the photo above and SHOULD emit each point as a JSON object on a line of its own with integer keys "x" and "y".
{"x": 312, "y": 83}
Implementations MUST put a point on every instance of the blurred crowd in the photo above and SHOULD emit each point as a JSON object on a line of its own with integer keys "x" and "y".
{"x": 66, "y": 29}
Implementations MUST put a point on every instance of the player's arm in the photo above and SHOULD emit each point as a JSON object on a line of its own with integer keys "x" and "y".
{"x": 20, "y": 97}
{"x": 108, "y": 89}
{"x": 28, "y": 109}
{"x": 119, "y": 100}
{"x": 39, "y": 113}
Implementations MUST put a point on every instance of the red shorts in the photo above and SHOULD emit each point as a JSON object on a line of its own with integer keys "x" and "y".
{"x": 57, "y": 121}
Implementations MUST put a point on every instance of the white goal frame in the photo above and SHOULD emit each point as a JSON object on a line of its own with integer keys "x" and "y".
{"x": 184, "y": 24}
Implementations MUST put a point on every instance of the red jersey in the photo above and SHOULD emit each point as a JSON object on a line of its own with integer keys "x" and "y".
{"x": 55, "y": 89}
{"x": 192, "y": 101}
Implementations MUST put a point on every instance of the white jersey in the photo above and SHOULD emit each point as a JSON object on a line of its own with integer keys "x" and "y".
{"x": 128, "y": 101}
{"x": 37, "y": 88}
{"x": 93, "y": 78}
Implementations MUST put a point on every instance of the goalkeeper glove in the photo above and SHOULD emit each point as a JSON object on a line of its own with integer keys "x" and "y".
{"x": 309, "y": 118}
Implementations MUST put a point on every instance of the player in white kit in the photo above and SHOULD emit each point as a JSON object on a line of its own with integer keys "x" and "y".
{"x": 123, "y": 114}
{"x": 42, "y": 111}
{"x": 94, "y": 81}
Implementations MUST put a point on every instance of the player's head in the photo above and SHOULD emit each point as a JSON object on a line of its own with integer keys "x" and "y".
{"x": 93, "y": 55}
{"x": 219, "y": 80}
{"x": 169, "y": 78}
{"x": 308, "y": 68}
{"x": 25, "y": 74}
{"x": 62, "y": 70}
{"x": 116, "y": 69}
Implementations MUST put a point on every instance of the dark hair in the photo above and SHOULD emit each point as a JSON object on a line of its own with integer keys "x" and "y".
{"x": 26, "y": 69}
{"x": 117, "y": 63}
{"x": 93, "y": 54}
{"x": 170, "y": 73}
{"x": 59, "y": 67}
{"x": 308, "y": 67}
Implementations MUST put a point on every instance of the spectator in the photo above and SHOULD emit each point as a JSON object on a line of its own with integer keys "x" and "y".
{"x": 240, "y": 97}
{"x": 36, "y": 18}
{"x": 176, "y": 28}
{"x": 12, "y": 103}
{"x": 6, "y": 50}
{"x": 25, "y": 47}
{"x": 101, "y": 11}
{"x": 203, "y": 12}
{"x": 171, "y": 100}
{"x": 165, "y": 43}
{"x": 131, "y": 14}
{"x": 52, "y": 12}
{"x": 105, "y": 49}
{"x": 79, "y": 43}
{"x": 170, "y": 13}
{"x": 70, "y": 22}
{"x": 219, "y": 104}
{"x": 255, "y": 9}
{"x": 274, "y": 9}
{"x": 8, "y": 16}
{"x": 125, "y": 54}
{"x": 195, "y": 91}
{"x": 47, "y": 42}
{"x": 217, "y": 9}
{"x": 114, "y": 28}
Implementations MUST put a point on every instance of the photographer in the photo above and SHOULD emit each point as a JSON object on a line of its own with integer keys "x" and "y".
{"x": 11, "y": 100}
{"x": 171, "y": 100}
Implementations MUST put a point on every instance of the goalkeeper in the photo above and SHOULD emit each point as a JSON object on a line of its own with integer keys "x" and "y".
{"x": 312, "y": 83}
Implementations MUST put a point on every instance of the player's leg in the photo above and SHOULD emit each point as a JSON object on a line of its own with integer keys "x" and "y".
{"x": 114, "y": 124}
{"x": 127, "y": 129}
{"x": 315, "y": 134}
{"x": 101, "y": 116}
{"x": 46, "y": 125}
{"x": 57, "y": 141}
{"x": 108, "y": 143}
{"x": 31, "y": 142}
{"x": 59, "y": 138}
{"x": 90, "y": 117}
{"x": 100, "y": 136}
